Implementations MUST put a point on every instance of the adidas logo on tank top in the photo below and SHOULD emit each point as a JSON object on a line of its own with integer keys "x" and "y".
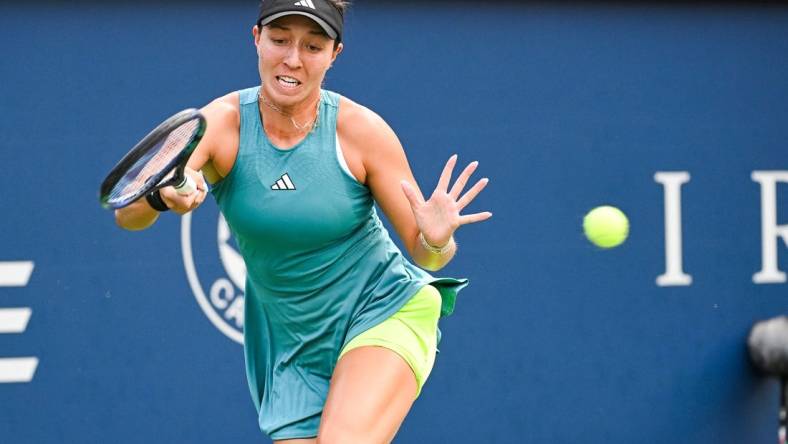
{"x": 284, "y": 184}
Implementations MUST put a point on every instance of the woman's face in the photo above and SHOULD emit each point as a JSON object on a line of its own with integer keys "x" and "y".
{"x": 293, "y": 56}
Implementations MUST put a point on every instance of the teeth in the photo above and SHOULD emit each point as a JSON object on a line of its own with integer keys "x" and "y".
{"x": 289, "y": 80}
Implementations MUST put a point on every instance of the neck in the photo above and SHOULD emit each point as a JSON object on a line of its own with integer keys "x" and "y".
{"x": 289, "y": 120}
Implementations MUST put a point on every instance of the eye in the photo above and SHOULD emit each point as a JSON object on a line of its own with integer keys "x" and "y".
{"x": 278, "y": 41}
{"x": 314, "y": 48}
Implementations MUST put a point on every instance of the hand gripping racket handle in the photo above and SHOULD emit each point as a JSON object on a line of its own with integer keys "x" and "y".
{"x": 188, "y": 186}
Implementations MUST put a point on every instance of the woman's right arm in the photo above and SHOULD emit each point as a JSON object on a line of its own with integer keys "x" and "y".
{"x": 222, "y": 126}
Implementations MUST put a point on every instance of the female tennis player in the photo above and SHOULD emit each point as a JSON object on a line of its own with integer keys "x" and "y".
{"x": 340, "y": 328}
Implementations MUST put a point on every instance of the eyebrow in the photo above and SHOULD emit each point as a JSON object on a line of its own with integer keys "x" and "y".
{"x": 315, "y": 31}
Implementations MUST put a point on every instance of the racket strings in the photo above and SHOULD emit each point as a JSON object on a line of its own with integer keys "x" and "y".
{"x": 160, "y": 157}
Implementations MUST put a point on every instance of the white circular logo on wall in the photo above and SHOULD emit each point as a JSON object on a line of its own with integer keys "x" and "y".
{"x": 221, "y": 269}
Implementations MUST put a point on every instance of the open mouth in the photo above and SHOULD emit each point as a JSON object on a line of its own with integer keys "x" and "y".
{"x": 287, "y": 81}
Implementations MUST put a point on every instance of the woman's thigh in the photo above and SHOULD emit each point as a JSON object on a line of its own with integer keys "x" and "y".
{"x": 371, "y": 392}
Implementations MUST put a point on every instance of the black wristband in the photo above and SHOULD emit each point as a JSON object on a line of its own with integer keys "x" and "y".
{"x": 155, "y": 201}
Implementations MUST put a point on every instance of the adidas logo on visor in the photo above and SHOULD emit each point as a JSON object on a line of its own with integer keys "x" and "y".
{"x": 306, "y": 4}
{"x": 284, "y": 184}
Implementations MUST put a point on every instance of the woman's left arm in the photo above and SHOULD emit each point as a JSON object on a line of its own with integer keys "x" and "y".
{"x": 426, "y": 227}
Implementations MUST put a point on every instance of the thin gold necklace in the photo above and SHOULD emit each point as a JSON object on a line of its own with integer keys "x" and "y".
{"x": 305, "y": 128}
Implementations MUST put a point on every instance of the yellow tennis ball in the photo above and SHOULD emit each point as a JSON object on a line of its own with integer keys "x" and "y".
{"x": 606, "y": 226}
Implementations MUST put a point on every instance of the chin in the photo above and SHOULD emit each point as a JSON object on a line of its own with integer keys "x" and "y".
{"x": 288, "y": 98}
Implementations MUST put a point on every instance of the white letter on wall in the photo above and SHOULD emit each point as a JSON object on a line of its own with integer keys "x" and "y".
{"x": 769, "y": 273}
{"x": 674, "y": 274}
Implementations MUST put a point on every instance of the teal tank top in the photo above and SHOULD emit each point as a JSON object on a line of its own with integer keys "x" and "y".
{"x": 321, "y": 268}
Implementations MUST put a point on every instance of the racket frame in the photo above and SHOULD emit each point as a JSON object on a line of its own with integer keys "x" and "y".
{"x": 143, "y": 147}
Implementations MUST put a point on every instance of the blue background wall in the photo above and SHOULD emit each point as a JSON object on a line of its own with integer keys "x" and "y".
{"x": 566, "y": 106}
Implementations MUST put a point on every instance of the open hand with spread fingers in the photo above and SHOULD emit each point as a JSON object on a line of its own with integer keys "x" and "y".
{"x": 438, "y": 217}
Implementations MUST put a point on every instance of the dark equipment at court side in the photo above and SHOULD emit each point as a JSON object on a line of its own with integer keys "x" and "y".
{"x": 768, "y": 346}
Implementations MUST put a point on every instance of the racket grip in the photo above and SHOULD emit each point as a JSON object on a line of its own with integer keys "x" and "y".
{"x": 188, "y": 186}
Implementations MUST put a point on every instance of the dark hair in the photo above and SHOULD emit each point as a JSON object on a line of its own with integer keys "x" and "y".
{"x": 340, "y": 5}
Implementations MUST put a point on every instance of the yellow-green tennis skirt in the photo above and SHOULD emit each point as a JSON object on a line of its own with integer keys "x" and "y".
{"x": 412, "y": 333}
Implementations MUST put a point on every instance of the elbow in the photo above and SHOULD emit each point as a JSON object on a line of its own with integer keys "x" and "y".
{"x": 127, "y": 223}
{"x": 123, "y": 222}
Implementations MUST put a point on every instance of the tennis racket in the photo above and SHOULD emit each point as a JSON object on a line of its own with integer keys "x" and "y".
{"x": 157, "y": 161}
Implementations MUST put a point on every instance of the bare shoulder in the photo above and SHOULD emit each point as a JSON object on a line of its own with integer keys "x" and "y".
{"x": 224, "y": 111}
{"x": 219, "y": 147}
{"x": 362, "y": 126}
{"x": 368, "y": 142}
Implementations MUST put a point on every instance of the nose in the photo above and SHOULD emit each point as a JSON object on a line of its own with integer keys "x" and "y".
{"x": 293, "y": 57}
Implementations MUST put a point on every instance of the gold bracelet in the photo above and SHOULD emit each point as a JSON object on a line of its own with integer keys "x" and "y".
{"x": 437, "y": 250}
